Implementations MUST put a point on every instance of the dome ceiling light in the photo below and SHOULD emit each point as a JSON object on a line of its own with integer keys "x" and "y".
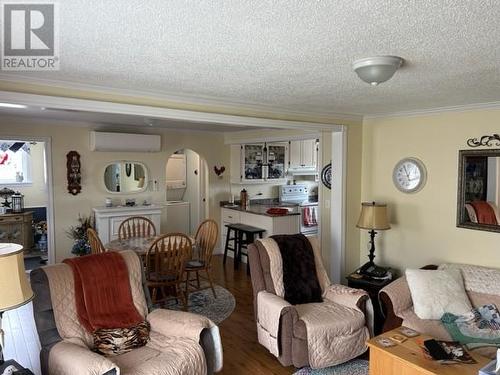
{"x": 377, "y": 69}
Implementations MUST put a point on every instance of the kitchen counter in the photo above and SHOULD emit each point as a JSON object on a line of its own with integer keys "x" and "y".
{"x": 260, "y": 209}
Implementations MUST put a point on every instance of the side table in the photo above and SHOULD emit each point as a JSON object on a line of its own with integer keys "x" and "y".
{"x": 372, "y": 287}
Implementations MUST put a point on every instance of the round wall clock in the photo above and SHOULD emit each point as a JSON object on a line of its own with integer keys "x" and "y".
{"x": 326, "y": 175}
{"x": 409, "y": 175}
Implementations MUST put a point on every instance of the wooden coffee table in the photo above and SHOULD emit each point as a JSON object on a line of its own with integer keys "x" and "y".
{"x": 407, "y": 359}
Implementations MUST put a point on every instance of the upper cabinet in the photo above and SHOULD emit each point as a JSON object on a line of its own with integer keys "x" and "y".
{"x": 304, "y": 154}
{"x": 259, "y": 162}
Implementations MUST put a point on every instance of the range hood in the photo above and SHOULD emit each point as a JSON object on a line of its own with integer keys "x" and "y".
{"x": 303, "y": 171}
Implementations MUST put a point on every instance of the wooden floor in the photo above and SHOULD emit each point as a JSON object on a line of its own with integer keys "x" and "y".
{"x": 242, "y": 352}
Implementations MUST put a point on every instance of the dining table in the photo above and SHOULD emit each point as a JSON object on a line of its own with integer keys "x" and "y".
{"x": 140, "y": 245}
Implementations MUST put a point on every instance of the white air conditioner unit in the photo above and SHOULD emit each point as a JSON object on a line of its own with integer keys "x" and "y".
{"x": 102, "y": 141}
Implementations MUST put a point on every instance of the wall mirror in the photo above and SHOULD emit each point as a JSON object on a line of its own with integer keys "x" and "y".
{"x": 479, "y": 190}
{"x": 125, "y": 177}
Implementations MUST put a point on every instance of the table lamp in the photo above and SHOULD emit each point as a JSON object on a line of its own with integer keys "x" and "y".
{"x": 373, "y": 217}
{"x": 15, "y": 289}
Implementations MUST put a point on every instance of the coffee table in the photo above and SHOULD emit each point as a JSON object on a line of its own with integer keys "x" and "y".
{"x": 407, "y": 359}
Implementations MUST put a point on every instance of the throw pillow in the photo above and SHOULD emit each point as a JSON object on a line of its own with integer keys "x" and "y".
{"x": 115, "y": 341}
{"x": 435, "y": 292}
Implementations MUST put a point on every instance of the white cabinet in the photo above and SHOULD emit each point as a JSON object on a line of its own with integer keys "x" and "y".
{"x": 303, "y": 154}
{"x": 289, "y": 224}
{"x": 176, "y": 171}
{"x": 108, "y": 219}
{"x": 259, "y": 163}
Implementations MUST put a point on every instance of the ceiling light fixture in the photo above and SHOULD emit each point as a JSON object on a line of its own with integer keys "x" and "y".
{"x": 377, "y": 69}
{"x": 11, "y": 105}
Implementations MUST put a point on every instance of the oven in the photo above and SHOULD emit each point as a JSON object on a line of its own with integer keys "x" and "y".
{"x": 309, "y": 211}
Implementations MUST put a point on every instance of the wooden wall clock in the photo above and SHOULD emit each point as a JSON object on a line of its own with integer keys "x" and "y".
{"x": 74, "y": 176}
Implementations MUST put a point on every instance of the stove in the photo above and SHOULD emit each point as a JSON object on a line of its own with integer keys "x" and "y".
{"x": 309, "y": 211}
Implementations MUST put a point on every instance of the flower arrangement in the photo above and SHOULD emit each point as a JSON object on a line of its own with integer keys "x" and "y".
{"x": 78, "y": 233}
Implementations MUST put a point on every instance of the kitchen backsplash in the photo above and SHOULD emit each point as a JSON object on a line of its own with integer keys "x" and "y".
{"x": 269, "y": 191}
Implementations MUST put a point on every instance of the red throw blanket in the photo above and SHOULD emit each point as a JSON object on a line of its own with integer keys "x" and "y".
{"x": 484, "y": 212}
{"x": 102, "y": 292}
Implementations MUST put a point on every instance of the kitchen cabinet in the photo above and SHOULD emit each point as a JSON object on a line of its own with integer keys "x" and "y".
{"x": 259, "y": 163}
{"x": 16, "y": 228}
{"x": 288, "y": 224}
{"x": 303, "y": 154}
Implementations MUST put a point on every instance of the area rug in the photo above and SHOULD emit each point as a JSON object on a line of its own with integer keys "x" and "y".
{"x": 354, "y": 367}
{"x": 203, "y": 302}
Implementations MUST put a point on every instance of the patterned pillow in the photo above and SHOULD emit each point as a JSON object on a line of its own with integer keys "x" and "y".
{"x": 115, "y": 341}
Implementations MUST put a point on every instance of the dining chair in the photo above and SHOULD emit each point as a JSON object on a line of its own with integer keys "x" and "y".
{"x": 136, "y": 226}
{"x": 165, "y": 262}
{"x": 96, "y": 245}
{"x": 205, "y": 241}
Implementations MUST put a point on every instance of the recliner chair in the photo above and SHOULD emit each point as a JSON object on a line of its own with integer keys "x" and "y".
{"x": 351, "y": 319}
{"x": 175, "y": 339}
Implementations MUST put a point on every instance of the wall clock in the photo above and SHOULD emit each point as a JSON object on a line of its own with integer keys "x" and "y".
{"x": 326, "y": 175}
{"x": 409, "y": 175}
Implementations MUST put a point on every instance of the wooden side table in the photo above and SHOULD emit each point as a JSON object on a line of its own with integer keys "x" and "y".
{"x": 372, "y": 287}
{"x": 407, "y": 358}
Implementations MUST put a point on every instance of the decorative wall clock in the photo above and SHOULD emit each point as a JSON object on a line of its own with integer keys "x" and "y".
{"x": 326, "y": 175}
{"x": 409, "y": 175}
{"x": 74, "y": 175}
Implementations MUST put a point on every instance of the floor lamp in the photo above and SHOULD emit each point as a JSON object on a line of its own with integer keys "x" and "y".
{"x": 15, "y": 289}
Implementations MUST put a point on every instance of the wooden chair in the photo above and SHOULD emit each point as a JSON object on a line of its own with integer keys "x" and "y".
{"x": 165, "y": 262}
{"x": 96, "y": 245}
{"x": 205, "y": 241}
{"x": 136, "y": 226}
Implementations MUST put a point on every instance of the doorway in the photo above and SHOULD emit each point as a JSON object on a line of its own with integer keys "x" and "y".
{"x": 187, "y": 191}
{"x": 26, "y": 186}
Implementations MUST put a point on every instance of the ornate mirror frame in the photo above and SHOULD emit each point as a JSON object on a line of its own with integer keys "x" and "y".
{"x": 461, "y": 210}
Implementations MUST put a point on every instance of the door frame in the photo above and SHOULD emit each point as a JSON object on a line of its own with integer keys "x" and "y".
{"x": 51, "y": 250}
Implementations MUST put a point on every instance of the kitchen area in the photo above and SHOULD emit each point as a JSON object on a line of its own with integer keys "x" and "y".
{"x": 274, "y": 186}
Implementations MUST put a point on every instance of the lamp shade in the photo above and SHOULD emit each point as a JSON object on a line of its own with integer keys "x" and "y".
{"x": 373, "y": 216}
{"x": 15, "y": 290}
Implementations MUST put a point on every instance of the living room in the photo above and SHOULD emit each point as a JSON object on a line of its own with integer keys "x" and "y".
{"x": 240, "y": 75}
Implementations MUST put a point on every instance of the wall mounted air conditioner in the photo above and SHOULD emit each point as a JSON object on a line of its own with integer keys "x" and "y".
{"x": 103, "y": 141}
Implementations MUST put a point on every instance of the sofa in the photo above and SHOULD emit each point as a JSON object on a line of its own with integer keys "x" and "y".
{"x": 482, "y": 285}
{"x": 180, "y": 343}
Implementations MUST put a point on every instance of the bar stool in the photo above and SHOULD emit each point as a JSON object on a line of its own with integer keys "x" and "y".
{"x": 243, "y": 236}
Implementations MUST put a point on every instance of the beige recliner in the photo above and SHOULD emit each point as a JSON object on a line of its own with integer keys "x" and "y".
{"x": 180, "y": 343}
{"x": 345, "y": 317}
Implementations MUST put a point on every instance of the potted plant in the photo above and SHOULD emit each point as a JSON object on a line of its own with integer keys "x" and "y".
{"x": 78, "y": 233}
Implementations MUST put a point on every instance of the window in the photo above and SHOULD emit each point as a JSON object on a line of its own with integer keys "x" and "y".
{"x": 15, "y": 162}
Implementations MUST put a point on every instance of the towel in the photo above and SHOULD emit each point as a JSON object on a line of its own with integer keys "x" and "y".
{"x": 102, "y": 292}
{"x": 310, "y": 217}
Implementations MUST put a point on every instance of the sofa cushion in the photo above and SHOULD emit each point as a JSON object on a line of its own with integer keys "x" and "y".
{"x": 435, "y": 292}
{"x": 429, "y": 327}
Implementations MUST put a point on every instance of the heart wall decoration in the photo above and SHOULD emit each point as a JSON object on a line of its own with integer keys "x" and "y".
{"x": 219, "y": 170}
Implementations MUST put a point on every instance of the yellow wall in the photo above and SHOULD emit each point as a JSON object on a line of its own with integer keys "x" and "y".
{"x": 66, "y": 137}
{"x": 423, "y": 224}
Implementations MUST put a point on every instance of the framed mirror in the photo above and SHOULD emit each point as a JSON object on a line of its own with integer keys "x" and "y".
{"x": 125, "y": 177}
{"x": 479, "y": 190}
